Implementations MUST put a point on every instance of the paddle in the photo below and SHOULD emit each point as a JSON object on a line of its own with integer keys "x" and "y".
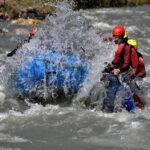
{"x": 32, "y": 32}
{"x": 138, "y": 101}
{"x": 13, "y": 52}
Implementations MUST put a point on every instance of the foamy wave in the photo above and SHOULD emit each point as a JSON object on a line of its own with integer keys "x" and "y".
{"x": 102, "y": 25}
{"x": 12, "y": 139}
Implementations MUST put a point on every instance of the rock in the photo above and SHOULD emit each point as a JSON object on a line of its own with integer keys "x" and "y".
{"x": 42, "y": 16}
{"x": 135, "y": 2}
{"x": 118, "y": 3}
{"x": 3, "y": 31}
{"x": 2, "y": 5}
{"x": 22, "y": 21}
{"x": 29, "y": 13}
{"x": 32, "y": 13}
{"x": 2, "y": 16}
{"x": 13, "y": 14}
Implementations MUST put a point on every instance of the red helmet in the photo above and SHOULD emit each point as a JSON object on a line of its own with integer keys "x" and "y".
{"x": 32, "y": 31}
{"x": 118, "y": 30}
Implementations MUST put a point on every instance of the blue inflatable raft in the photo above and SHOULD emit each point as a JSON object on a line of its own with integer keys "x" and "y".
{"x": 49, "y": 69}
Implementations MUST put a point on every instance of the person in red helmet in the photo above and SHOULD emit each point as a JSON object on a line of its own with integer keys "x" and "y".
{"x": 123, "y": 61}
{"x": 135, "y": 60}
{"x": 119, "y": 64}
{"x": 126, "y": 55}
{"x": 31, "y": 33}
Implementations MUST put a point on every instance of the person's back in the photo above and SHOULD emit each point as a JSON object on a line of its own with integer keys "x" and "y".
{"x": 141, "y": 68}
{"x": 137, "y": 71}
{"x": 137, "y": 62}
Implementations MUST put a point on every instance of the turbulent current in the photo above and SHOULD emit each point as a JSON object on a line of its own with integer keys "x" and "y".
{"x": 35, "y": 127}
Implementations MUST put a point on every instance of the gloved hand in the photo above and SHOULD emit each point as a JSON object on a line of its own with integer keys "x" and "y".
{"x": 108, "y": 69}
{"x": 116, "y": 72}
{"x": 132, "y": 77}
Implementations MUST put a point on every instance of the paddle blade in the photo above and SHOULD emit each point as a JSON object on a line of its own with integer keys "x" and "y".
{"x": 138, "y": 102}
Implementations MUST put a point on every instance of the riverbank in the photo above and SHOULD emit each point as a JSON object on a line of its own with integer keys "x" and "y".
{"x": 38, "y": 9}
{"x": 35, "y": 9}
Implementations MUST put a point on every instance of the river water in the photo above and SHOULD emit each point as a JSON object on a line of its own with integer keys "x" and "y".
{"x": 71, "y": 128}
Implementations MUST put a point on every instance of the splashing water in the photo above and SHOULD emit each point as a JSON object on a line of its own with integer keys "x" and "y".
{"x": 54, "y": 127}
{"x": 65, "y": 31}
